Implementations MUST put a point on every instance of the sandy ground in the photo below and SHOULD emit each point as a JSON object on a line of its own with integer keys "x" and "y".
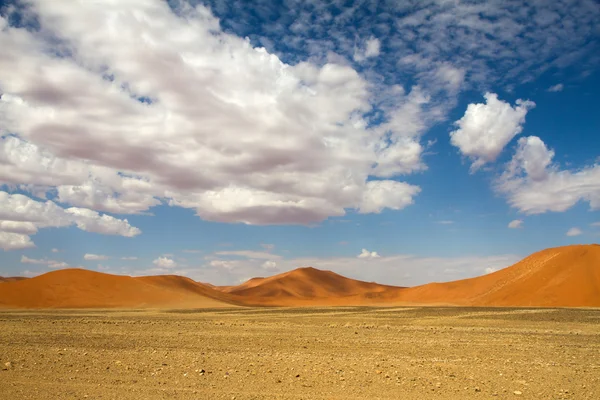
{"x": 327, "y": 353}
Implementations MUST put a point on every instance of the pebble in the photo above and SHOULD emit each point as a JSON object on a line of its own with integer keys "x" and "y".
{"x": 7, "y": 366}
{"x": 518, "y": 392}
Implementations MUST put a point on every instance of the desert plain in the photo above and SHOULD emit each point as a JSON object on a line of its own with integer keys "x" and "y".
{"x": 301, "y": 353}
{"x": 531, "y": 331}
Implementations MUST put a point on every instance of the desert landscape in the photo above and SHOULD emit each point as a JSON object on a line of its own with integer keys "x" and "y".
{"x": 531, "y": 330}
{"x": 566, "y": 276}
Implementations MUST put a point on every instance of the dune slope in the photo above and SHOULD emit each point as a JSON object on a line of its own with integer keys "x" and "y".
{"x": 78, "y": 288}
{"x": 563, "y": 276}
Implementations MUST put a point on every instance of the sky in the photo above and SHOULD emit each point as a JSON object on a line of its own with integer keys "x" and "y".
{"x": 398, "y": 142}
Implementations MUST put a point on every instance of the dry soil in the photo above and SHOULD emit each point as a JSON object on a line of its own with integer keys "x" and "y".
{"x": 314, "y": 353}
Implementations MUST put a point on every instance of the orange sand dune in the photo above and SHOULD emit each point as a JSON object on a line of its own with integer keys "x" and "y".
{"x": 304, "y": 286}
{"x": 558, "y": 277}
{"x": 78, "y": 288}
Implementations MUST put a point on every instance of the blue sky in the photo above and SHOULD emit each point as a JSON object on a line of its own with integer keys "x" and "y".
{"x": 402, "y": 142}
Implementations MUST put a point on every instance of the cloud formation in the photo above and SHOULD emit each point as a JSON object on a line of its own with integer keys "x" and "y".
{"x": 52, "y": 264}
{"x": 515, "y": 224}
{"x": 486, "y": 129}
{"x": 368, "y": 254}
{"x": 574, "y": 232}
{"x": 164, "y": 262}
{"x": 22, "y": 216}
{"x": 556, "y": 88}
{"x": 534, "y": 185}
{"x": 131, "y": 102}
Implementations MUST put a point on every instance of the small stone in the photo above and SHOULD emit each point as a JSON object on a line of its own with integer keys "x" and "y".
{"x": 477, "y": 389}
{"x": 518, "y": 392}
{"x": 297, "y": 375}
{"x": 7, "y": 366}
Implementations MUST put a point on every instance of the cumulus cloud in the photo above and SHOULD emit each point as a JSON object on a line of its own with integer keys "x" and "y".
{"x": 95, "y": 257}
{"x": 15, "y": 241}
{"x": 534, "y": 185}
{"x": 164, "y": 262}
{"x": 556, "y": 88}
{"x": 486, "y": 129}
{"x": 368, "y": 254}
{"x": 131, "y": 102}
{"x": 387, "y": 194}
{"x": 515, "y": 224}
{"x": 22, "y": 216}
{"x": 574, "y": 232}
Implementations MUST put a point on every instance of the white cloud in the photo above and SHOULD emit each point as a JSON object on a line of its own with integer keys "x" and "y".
{"x": 515, "y": 224}
{"x": 490, "y": 270}
{"x": 59, "y": 265}
{"x": 387, "y": 194}
{"x": 574, "y": 232}
{"x": 368, "y": 254}
{"x": 52, "y": 264}
{"x": 95, "y": 257}
{"x": 22, "y": 216}
{"x": 55, "y": 250}
{"x": 371, "y": 48}
{"x": 486, "y": 129}
{"x": 164, "y": 262}
{"x": 556, "y": 88}
{"x": 534, "y": 185}
{"x": 27, "y": 260}
{"x": 595, "y": 224}
{"x": 129, "y": 155}
{"x": 23, "y": 227}
{"x": 15, "y": 241}
{"x": 269, "y": 265}
{"x": 445, "y": 222}
{"x": 129, "y": 258}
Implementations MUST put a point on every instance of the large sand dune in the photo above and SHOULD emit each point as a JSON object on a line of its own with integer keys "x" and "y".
{"x": 78, "y": 288}
{"x": 563, "y": 276}
{"x": 306, "y": 286}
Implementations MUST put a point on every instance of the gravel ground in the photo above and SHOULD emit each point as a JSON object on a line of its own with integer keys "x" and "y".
{"x": 317, "y": 353}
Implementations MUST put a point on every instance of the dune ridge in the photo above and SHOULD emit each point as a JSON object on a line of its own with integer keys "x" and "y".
{"x": 566, "y": 276}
